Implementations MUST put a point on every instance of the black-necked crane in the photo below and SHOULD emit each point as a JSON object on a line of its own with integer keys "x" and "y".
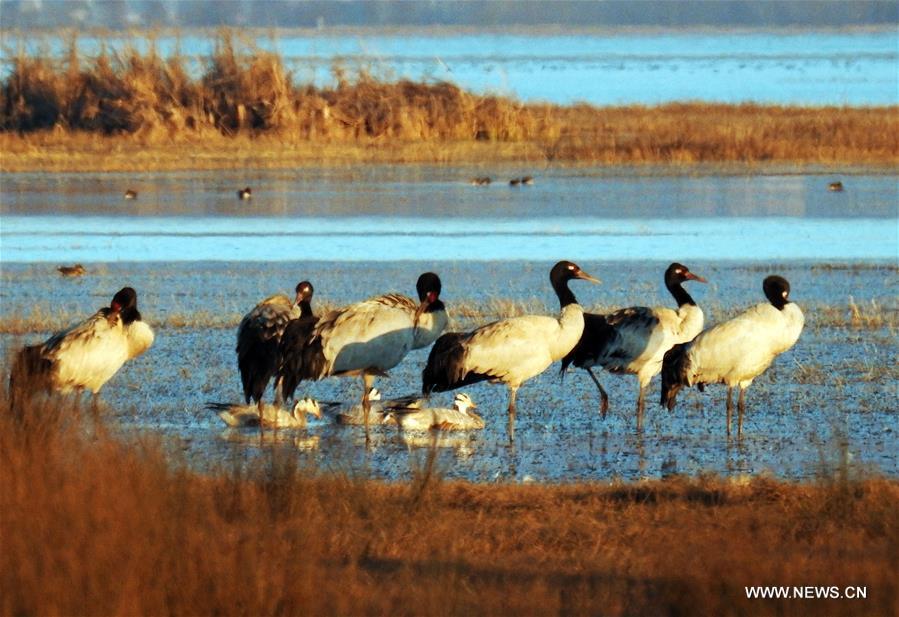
{"x": 259, "y": 336}
{"x": 512, "y": 350}
{"x": 87, "y": 355}
{"x": 366, "y": 339}
{"x": 634, "y": 340}
{"x": 737, "y": 351}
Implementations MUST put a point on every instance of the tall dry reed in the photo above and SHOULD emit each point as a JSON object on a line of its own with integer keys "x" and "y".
{"x": 242, "y": 90}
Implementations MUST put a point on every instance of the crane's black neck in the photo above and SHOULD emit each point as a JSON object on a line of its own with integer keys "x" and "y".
{"x": 305, "y": 308}
{"x": 435, "y": 307}
{"x": 130, "y": 315}
{"x": 566, "y": 296}
{"x": 680, "y": 294}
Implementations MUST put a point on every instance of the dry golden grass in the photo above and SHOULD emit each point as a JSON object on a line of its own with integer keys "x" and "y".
{"x": 464, "y": 313}
{"x": 95, "y": 525}
{"x": 139, "y": 111}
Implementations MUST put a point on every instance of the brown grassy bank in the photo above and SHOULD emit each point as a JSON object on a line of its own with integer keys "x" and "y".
{"x": 139, "y": 111}
{"x": 93, "y": 525}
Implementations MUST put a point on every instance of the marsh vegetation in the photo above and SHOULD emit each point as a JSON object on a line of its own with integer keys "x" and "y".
{"x": 120, "y": 526}
{"x": 244, "y": 108}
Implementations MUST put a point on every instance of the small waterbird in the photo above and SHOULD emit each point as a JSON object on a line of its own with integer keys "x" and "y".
{"x": 130, "y": 194}
{"x": 835, "y": 187}
{"x": 87, "y": 355}
{"x": 480, "y": 181}
{"x": 245, "y": 193}
{"x": 354, "y": 414}
{"x": 267, "y": 415}
{"x": 76, "y": 270}
{"x": 460, "y": 417}
{"x": 736, "y": 351}
{"x": 509, "y": 351}
{"x": 634, "y": 340}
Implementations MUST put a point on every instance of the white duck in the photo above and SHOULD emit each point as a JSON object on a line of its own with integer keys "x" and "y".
{"x": 737, "y": 351}
{"x": 459, "y": 418}
{"x": 272, "y": 416}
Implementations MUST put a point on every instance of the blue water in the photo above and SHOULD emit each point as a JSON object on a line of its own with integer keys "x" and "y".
{"x": 427, "y": 213}
{"x": 88, "y": 239}
{"x": 601, "y": 68}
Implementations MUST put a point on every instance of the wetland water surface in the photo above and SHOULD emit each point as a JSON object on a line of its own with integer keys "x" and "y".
{"x": 200, "y": 259}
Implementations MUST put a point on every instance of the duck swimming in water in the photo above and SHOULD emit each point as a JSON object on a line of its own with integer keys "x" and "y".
{"x": 355, "y": 414}
{"x": 270, "y": 416}
{"x": 459, "y": 418}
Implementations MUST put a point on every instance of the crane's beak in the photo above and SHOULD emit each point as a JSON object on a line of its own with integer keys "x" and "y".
{"x": 114, "y": 310}
{"x": 584, "y": 276}
{"x": 429, "y": 298}
{"x": 695, "y": 277}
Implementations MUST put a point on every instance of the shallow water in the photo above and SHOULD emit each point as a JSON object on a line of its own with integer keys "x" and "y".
{"x": 602, "y": 68}
{"x": 829, "y": 400}
{"x": 387, "y": 213}
{"x": 199, "y": 257}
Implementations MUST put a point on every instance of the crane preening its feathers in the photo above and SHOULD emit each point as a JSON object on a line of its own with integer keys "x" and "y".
{"x": 737, "y": 351}
{"x": 259, "y": 337}
{"x": 509, "y": 351}
{"x": 364, "y": 339}
{"x": 634, "y": 340}
{"x": 88, "y": 354}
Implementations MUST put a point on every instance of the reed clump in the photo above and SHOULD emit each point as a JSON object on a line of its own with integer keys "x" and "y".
{"x": 98, "y": 524}
{"x": 96, "y": 104}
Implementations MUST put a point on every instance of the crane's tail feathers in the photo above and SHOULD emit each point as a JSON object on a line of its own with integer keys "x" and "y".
{"x": 674, "y": 375}
{"x": 31, "y": 372}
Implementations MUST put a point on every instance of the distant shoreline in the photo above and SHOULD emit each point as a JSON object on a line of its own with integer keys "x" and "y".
{"x": 86, "y": 152}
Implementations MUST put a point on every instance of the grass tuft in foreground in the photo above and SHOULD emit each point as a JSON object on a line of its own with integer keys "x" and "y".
{"x": 100, "y": 525}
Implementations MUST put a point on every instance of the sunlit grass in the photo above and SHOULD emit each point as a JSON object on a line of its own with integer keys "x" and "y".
{"x": 872, "y": 316}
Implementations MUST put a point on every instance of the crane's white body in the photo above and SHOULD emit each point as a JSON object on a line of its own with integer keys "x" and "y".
{"x": 643, "y": 335}
{"x": 739, "y": 350}
{"x": 514, "y": 350}
{"x": 87, "y": 355}
{"x": 375, "y": 335}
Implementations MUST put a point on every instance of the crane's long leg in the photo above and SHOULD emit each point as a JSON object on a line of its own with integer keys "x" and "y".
{"x": 641, "y": 404}
{"x": 368, "y": 381}
{"x": 512, "y": 393}
{"x": 741, "y": 407}
{"x": 604, "y": 398}
{"x": 730, "y": 408}
{"x": 279, "y": 392}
